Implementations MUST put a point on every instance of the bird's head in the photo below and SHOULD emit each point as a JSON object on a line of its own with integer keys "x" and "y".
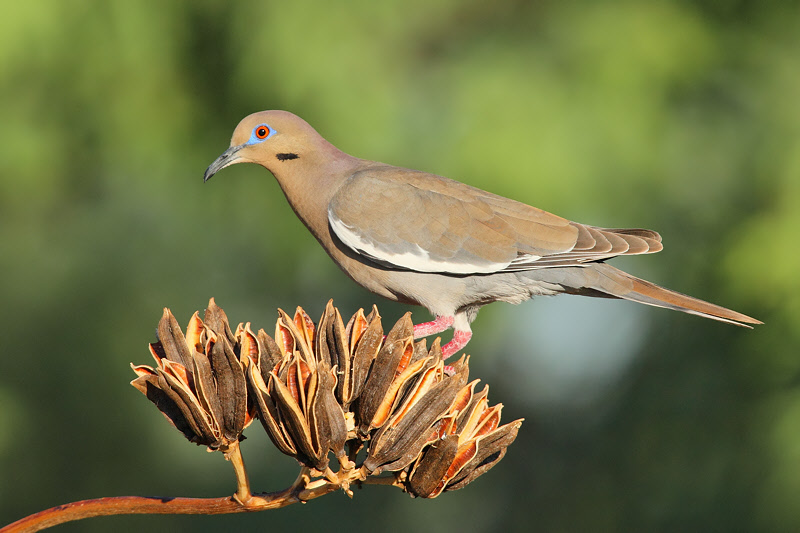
{"x": 269, "y": 138}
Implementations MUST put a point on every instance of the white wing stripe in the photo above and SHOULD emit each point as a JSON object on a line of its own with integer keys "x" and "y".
{"x": 418, "y": 260}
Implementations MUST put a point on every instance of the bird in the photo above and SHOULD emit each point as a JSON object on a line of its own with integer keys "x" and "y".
{"x": 423, "y": 239}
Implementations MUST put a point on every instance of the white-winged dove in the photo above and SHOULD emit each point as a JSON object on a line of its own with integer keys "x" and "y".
{"x": 426, "y": 240}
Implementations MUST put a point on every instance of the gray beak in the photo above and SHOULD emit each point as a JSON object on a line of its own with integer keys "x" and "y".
{"x": 227, "y": 158}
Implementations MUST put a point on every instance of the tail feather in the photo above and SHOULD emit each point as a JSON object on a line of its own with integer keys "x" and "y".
{"x": 616, "y": 283}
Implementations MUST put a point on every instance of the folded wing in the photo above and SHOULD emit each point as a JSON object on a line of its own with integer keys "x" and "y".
{"x": 426, "y": 223}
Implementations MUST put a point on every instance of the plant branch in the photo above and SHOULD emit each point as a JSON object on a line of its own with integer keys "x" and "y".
{"x": 145, "y": 505}
{"x": 302, "y": 490}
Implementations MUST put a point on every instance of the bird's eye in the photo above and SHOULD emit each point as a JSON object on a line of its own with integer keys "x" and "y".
{"x": 262, "y": 132}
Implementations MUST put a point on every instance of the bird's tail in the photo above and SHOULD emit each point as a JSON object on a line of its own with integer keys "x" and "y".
{"x": 612, "y": 282}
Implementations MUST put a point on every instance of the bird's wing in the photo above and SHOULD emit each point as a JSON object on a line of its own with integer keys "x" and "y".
{"x": 426, "y": 223}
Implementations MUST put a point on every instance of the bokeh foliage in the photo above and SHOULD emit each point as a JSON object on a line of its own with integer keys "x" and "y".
{"x": 678, "y": 116}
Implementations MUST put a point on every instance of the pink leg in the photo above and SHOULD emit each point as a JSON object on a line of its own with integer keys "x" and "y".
{"x": 460, "y": 336}
{"x": 437, "y": 326}
{"x": 460, "y": 339}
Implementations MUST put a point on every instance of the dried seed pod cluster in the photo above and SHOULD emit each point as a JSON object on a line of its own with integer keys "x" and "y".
{"x": 328, "y": 388}
{"x": 294, "y": 392}
{"x": 198, "y": 382}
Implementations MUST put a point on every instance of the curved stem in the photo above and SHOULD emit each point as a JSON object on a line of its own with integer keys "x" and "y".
{"x": 146, "y": 505}
{"x": 243, "y": 501}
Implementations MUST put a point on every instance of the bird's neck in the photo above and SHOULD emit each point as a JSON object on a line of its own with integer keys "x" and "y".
{"x": 310, "y": 181}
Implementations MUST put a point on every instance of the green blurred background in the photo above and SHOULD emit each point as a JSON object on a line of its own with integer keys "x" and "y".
{"x": 679, "y": 116}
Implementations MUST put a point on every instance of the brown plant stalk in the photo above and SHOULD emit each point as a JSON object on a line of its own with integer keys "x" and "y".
{"x": 302, "y": 490}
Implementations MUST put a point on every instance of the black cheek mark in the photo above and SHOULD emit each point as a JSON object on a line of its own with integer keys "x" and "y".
{"x": 286, "y": 157}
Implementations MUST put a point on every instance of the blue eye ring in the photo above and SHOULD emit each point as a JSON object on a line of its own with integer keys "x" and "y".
{"x": 261, "y": 133}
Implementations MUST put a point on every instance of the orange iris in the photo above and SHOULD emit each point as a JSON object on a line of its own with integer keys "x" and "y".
{"x": 262, "y": 132}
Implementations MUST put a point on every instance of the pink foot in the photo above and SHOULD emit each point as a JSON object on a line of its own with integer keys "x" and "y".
{"x": 429, "y": 328}
{"x": 460, "y": 339}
